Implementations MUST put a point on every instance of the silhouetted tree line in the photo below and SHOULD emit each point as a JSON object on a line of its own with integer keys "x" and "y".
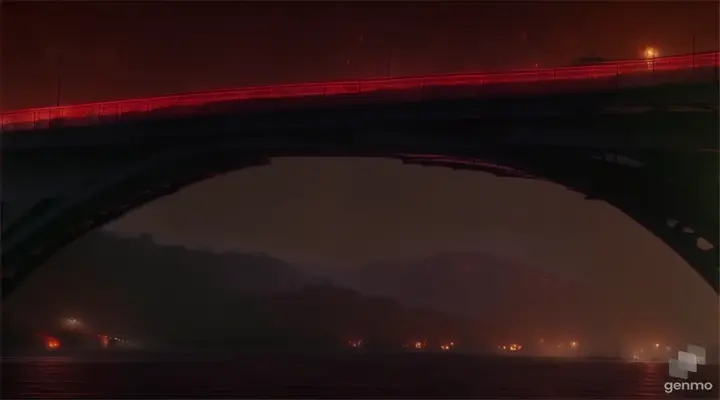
{"x": 171, "y": 295}
{"x": 315, "y": 317}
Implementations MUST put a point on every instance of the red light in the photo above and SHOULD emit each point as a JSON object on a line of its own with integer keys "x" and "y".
{"x": 52, "y": 343}
{"x": 88, "y": 114}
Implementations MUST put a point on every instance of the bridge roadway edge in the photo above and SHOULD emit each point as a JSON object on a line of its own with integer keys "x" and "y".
{"x": 625, "y": 101}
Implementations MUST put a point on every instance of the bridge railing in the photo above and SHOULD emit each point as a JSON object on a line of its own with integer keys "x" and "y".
{"x": 686, "y": 68}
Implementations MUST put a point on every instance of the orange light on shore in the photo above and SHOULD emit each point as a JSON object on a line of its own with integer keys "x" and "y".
{"x": 52, "y": 343}
{"x": 511, "y": 347}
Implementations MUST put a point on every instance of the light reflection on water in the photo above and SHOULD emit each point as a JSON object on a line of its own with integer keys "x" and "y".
{"x": 387, "y": 376}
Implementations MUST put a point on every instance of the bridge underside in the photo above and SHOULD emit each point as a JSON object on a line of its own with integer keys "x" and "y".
{"x": 660, "y": 167}
{"x": 675, "y": 210}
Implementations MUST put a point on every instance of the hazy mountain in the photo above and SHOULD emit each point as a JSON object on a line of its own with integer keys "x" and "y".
{"x": 476, "y": 285}
{"x": 133, "y": 287}
{"x": 117, "y": 279}
{"x": 329, "y": 316}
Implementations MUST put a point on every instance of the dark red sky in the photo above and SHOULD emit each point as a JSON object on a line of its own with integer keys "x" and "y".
{"x": 347, "y": 212}
{"x": 112, "y": 50}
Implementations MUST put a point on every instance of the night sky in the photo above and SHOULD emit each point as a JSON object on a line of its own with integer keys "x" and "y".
{"x": 106, "y": 50}
{"x": 340, "y": 213}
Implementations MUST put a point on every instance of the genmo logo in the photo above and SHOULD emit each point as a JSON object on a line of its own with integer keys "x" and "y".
{"x": 687, "y": 361}
{"x": 687, "y": 386}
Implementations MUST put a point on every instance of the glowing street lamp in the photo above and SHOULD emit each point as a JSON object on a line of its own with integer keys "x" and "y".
{"x": 72, "y": 323}
{"x": 651, "y": 53}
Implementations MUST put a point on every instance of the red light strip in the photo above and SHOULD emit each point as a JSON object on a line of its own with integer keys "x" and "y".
{"x": 88, "y": 114}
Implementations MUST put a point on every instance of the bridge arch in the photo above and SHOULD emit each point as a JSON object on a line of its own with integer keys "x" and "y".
{"x": 34, "y": 239}
{"x": 643, "y": 139}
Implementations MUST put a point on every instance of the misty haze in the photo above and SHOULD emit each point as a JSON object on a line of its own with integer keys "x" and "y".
{"x": 429, "y": 200}
{"x": 313, "y": 255}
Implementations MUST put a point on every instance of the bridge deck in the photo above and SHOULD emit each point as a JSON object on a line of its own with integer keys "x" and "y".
{"x": 598, "y": 77}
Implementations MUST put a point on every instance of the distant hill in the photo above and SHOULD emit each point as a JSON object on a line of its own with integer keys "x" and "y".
{"x": 325, "y": 316}
{"x": 193, "y": 298}
{"x": 117, "y": 278}
{"x": 476, "y": 285}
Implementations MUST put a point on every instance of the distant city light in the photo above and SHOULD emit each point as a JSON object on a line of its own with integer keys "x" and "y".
{"x": 52, "y": 343}
{"x": 574, "y": 345}
{"x": 512, "y": 347}
{"x": 72, "y": 323}
{"x": 447, "y": 346}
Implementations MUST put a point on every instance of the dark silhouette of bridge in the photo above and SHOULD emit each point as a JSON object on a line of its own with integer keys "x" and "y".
{"x": 640, "y": 135}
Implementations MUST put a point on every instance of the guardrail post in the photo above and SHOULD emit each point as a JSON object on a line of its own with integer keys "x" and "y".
{"x": 652, "y": 77}
{"x": 693, "y": 74}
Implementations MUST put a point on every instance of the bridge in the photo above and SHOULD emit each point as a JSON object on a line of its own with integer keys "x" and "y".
{"x": 640, "y": 135}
